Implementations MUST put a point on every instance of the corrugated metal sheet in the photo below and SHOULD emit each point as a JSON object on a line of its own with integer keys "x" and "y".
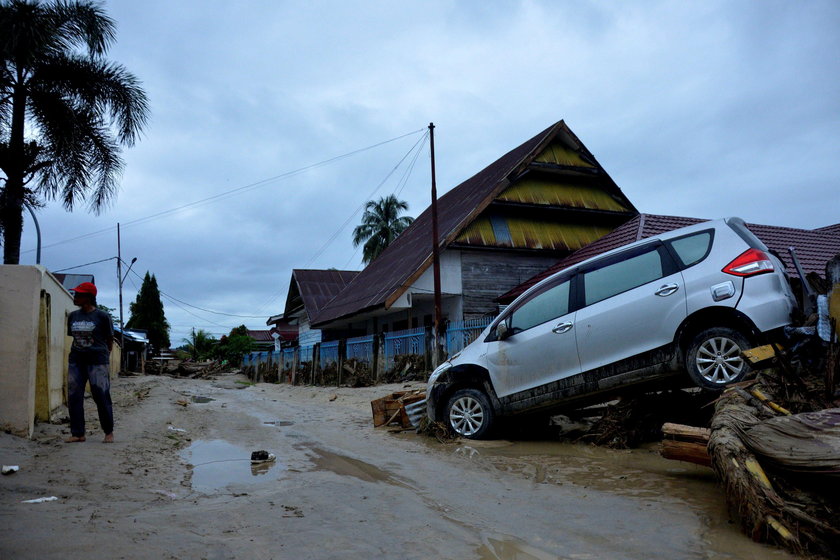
{"x": 532, "y": 234}
{"x": 549, "y": 192}
{"x": 559, "y": 153}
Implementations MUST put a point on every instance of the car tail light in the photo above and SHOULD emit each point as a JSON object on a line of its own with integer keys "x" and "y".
{"x": 750, "y": 263}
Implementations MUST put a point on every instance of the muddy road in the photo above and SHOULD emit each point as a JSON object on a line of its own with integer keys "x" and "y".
{"x": 178, "y": 483}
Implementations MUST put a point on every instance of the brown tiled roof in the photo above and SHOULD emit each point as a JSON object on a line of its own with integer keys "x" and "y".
{"x": 260, "y": 336}
{"x": 390, "y": 274}
{"x": 813, "y": 248}
{"x": 318, "y": 287}
{"x": 831, "y": 229}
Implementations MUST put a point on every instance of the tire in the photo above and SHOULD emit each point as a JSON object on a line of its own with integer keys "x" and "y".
{"x": 469, "y": 414}
{"x": 714, "y": 360}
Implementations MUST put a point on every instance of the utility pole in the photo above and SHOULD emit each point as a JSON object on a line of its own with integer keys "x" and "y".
{"x": 435, "y": 252}
{"x": 120, "y": 283}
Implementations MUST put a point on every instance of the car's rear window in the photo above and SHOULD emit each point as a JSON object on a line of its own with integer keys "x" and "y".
{"x": 693, "y": 248}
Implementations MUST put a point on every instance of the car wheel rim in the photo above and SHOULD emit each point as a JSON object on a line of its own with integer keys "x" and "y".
{"x": 466, "y": 416}
{"x": 719, "y": 360}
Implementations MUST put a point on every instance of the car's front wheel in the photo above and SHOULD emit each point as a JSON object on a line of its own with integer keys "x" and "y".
{"x": 714, "y": 358}
{"x": 470, "y": 414}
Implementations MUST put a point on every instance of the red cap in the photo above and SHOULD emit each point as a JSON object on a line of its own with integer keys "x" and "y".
{"x": 85, "y": 288}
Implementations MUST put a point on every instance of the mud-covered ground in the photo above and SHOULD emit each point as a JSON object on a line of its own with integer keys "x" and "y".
{"x": 178, "y": 483}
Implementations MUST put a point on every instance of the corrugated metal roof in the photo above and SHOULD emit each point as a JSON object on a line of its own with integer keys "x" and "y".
{"x": 260, "y": 336}
{"x": 560, "y": 154}
{"x": 526, "y": 233}
{"x": 317, "y": 287}
{"x": 410, "y": 254}
{"x": 70, "y": 281}
{"x": 814, "y": 248}
{"x": 544, "y": 191}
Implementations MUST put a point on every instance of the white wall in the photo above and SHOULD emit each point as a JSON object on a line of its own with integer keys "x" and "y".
{"x": 22, "y": 384}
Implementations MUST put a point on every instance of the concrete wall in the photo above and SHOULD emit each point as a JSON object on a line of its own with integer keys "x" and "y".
{"x": 33, "y": 346}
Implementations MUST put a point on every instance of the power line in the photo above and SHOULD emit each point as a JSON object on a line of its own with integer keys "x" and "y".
{"x": 83, "y": 265}
{"x": 230, "y": 192}
{"x": 341, "y": 228}
{"x": 173, "y": 298}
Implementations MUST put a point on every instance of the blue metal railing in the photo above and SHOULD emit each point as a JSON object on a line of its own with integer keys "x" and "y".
{"x": 460, "y": 334}
{"x": 360, "y": 348}
{"x": 398, "y": 343}
{"x": 329, "y": 353}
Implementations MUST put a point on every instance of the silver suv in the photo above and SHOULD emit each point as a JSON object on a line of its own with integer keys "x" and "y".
{"x": 686, "y": 301}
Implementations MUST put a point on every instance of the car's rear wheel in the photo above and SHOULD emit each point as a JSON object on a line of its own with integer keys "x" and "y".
{"x": 470, "y": 414}
{"x": 714, "y": 358}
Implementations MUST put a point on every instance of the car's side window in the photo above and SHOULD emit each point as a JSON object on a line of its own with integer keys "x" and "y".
{"x": 545, "y": 306}
{"x": 618, "y": 277}
{"x": 693, "y": 248}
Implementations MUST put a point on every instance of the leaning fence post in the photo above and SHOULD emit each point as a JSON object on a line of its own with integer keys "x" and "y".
{"x": 316, "y": 360}
{"x": 377, "y": 355}
{"x": 342, "y": 351}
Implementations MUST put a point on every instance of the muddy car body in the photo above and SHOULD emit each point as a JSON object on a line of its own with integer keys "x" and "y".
{"x": 688, "y": 301}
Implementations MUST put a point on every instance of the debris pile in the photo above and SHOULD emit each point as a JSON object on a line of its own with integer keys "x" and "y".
{"x": 402, "y": 407}
{"x": 357, "y": 373}
{"x": 774, "y": 440}
{"x": 407, "y": 367}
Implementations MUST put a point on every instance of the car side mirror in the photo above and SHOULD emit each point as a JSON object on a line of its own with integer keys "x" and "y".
{"x": 502, "y": 331}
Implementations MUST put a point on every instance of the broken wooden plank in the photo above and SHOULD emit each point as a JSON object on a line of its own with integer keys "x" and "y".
{"x": 682, "y": 432}
{"x": 761, "y": 353}
{"x": 685, "y": 451}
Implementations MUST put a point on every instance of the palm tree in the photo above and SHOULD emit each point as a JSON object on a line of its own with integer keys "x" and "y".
{"x": 65, "y": 111}
{"x": 381, "y": 224}
{"x": 199, "y": 344}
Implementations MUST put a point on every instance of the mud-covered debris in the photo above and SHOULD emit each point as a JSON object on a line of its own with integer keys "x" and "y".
{"x": 262, "y": 456}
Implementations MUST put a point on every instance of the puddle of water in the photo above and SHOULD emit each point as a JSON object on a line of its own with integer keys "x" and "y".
{"x": 201, "y": 400}
{"x": 496, "y": 548}
{"x": 348, "y": 466}
{"x": 217, "y": 464}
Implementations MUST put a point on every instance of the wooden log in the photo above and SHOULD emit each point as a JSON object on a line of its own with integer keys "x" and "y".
{"x": 682, "y": 432}
{"x": 685, "y": 451}
{"x": 749, "y": 494}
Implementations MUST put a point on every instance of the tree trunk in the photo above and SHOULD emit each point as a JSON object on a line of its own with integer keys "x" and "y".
{"x": 11, "y": 204}
{"x": 11, "y": 214}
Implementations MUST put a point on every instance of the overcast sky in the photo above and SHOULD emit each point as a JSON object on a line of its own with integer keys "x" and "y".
{"x": 703, "y": 109}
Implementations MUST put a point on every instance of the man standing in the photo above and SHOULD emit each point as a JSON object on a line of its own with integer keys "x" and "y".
{"x": 93, "y": 339}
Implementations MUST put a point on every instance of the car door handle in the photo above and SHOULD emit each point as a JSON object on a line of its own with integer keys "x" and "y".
{"x": 562, "y": 327}
{"x": 667, "y": 290}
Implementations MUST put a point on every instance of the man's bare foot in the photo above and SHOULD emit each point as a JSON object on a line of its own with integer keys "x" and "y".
{"x": 75, "y": 439}
{"x": 109, "y": 438}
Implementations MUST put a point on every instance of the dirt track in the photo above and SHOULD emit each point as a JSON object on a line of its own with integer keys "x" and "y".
{"x": 339, "y": 488}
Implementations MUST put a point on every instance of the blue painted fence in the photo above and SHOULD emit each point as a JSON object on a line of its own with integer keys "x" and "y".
{"x": 459, "y": 335}
{"x": 321, "y": 363}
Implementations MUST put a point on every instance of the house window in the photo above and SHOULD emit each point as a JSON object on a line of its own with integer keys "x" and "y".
{"x": 501, "y": 230}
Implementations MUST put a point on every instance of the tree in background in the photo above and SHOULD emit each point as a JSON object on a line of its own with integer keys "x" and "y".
{"x": 233, "y": 347}
{"x": 147, "y": 314}
{"x": 200, "y": 345}
{"x": 65, "y": 110}
{"x": 381, "y": 224}
{"x": 110, "y": 311}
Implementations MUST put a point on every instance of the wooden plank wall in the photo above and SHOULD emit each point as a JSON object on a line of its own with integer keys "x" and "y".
{"x": 486, "y": 275}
